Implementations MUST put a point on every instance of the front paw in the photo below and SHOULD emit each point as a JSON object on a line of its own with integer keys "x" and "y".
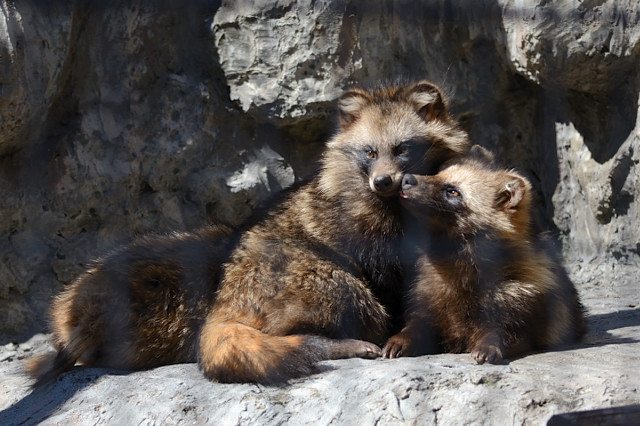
{"x": 397, "y": 346}
{"x": 366, "y": 350}
{"x": 488, "y": 349}
{"x": 491, "y": 354}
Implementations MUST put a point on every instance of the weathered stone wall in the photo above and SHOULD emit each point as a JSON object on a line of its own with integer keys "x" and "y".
{"x": 127, "y": 117}
{"x": 116, "y": 120}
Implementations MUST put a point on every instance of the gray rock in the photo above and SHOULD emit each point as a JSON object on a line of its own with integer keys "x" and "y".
{"x": 34, "y": 44}
{"x": 588, "y": 57}
{"x": 283, "y": 58}
{"x": 131, "y": 136}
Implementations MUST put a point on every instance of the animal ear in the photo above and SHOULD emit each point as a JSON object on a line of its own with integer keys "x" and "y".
{"x": 512, "y": 193}
{"x": 481, "y": 153}
{"x": 350, "y": 105}
{"x": 427, "y": 100}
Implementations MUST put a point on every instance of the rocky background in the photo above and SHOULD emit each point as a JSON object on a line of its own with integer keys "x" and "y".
{"x": 125, "y": 117}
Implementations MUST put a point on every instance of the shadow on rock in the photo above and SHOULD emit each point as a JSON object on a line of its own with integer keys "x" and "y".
{"x": 43, "y": 401}
{"x": 600, "y": 325}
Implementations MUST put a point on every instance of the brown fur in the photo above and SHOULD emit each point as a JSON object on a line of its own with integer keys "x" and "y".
{"x": 139, "y": 307}
{"x": 324, "y": 261}
{"x": 485, "y": 281}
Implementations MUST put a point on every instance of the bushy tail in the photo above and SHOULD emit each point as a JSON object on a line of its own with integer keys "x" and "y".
{"x": 48, "y": 366}
{"x": 234, "y": 352}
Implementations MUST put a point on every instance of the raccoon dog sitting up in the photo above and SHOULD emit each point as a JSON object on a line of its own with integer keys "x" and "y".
{"x": 319, "y": 275}
{"x": 484, "y": 279}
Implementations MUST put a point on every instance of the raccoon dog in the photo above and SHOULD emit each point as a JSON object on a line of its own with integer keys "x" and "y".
{"x": 484, "y": 279}
{"x": 139, "y": 307}
{"x": 318, "y": 277}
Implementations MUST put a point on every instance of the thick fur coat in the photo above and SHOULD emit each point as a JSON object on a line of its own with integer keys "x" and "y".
{"x": 319, "y": 277}
{"x": 482, "y": 277}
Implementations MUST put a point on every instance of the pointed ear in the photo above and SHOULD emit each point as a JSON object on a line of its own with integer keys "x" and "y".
{"x": 350, "y": 105}
{"x": 427, "y": 99}
{"x": 481, "y": 153}
{"x": 512, "y": 193}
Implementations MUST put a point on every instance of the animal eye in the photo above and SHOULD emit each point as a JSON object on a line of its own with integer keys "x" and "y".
{"x": 371, "y": 153}
{"x": 452, "y": 192}
{"x": 402, "y": 149}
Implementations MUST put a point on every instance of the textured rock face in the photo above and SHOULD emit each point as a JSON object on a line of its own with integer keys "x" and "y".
{"x": 132, "y": 117}
{"x": 586, "y": 60}
{"x": 34, "y": 41}
{"x": 282, "y": 58}
{"x": 118, "y": 123}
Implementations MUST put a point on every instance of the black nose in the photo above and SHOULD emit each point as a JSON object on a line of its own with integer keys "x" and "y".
{"x": 408, "y": 181}
{"x": 383, "y": 183}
